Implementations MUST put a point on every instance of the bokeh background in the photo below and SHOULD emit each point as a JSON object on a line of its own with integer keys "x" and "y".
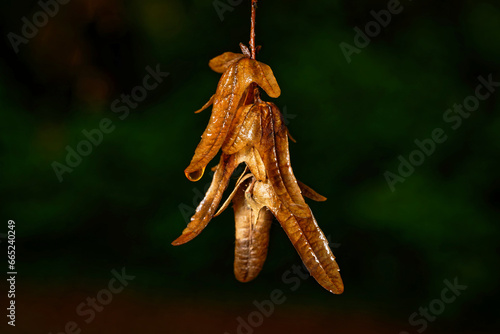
{"x": 126, "y": 201}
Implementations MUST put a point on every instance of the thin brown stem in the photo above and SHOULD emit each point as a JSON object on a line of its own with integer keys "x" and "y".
{"x": 254, "y": 90}
{"x": 252, "y": 28}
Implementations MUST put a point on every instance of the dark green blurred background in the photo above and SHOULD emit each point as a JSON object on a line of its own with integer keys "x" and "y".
{"x": 121, "y": 206}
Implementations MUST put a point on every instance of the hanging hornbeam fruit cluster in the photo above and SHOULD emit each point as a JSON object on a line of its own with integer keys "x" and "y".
{"x": 252, "y": 131}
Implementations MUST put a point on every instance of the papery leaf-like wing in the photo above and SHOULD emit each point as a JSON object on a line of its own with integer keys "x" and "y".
{"x": 230, "y": 90}
{"x": 263, "y": 76}
{"x": 208, "y": 206}
{"x": 307, "y": 238}
{"x": 283, "y": 156}
{"x": 252, "y": 237}
{"x": 274, "y": 153}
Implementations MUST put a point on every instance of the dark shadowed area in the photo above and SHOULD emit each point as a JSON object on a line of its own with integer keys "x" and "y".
{"x": 394, "y": 106}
